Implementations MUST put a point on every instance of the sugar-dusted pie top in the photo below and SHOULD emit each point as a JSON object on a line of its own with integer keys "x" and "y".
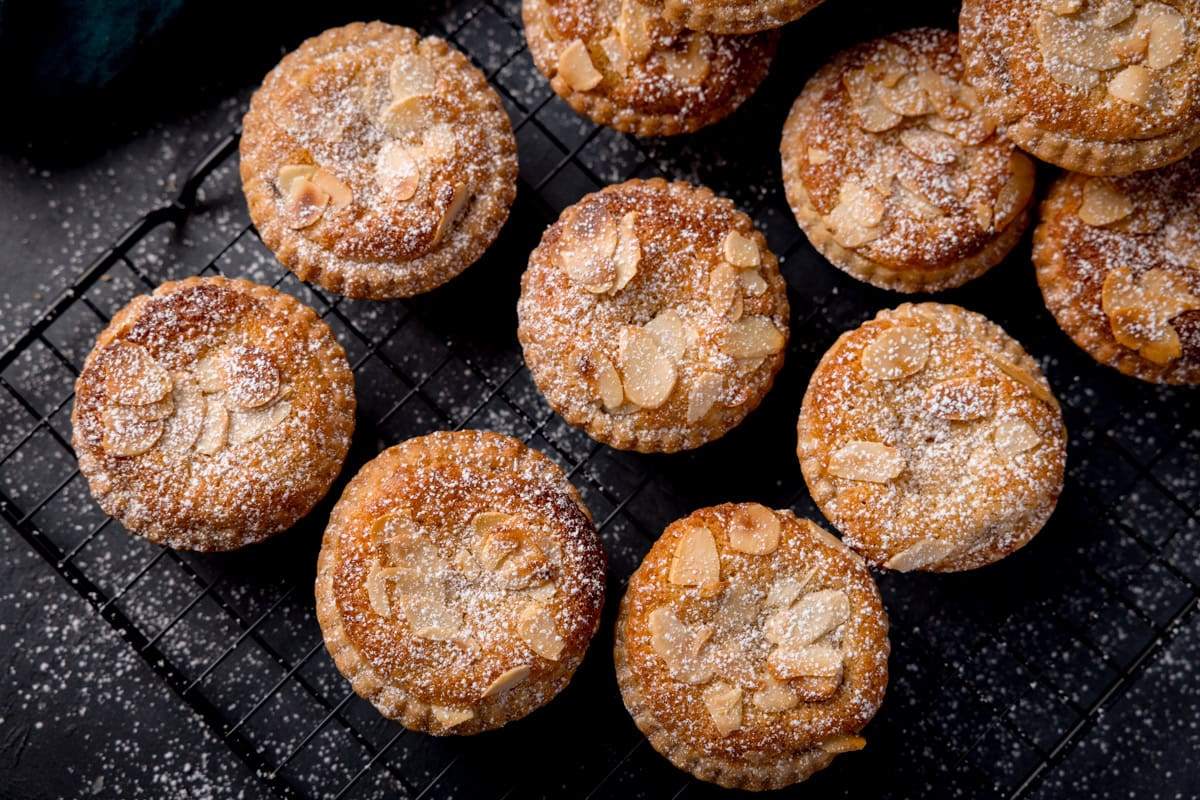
{"x": 213, "y": 413}
{"x": 753, "y": 637}
{"x": 735, "y": 16}
{"x": 621, "y": 63}
{"x": 931, "y": 440}
{"x": 893, "y": 152}
{"x": 465, "y": 573}
{"x": 1119, "y": 264}
{"x": 377, "y": 160}
{"x": 1105, "y": 71}
{"x": 653, "y": 315}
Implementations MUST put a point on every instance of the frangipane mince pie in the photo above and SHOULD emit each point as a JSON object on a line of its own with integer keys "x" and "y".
{"x": 931, "y": 440}
{"x": 735, "y": 16}
{"x": 460, "y": 581}
{"x": 895, "y": 174}
{"x": 621, "y": 64}
{"x": 653, "y": 316}
{"x": 376, "y": 163}
{"x": 1105, "y": 87}
{"x": 751, "y": 647}
{"x": 1118, "y": 260}
{"x": 212, "y": 413}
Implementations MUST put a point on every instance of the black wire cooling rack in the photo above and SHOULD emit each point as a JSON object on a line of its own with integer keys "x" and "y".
{"x": 997, "y": 675}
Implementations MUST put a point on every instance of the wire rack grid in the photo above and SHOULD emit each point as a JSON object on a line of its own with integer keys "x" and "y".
{"x": 999, "y": 679}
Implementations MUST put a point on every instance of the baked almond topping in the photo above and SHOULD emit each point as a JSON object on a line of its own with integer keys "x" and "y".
{"x": 1103, "y": 203}
{"x": 896, "y": 353}
{"x": 753, "y": 282}
{"x": 409, "y": 115}
{"x": 504, "y": 545}
{"x": 1012, "y": 436}
{"x": 339, "y": 193}
{"x": 214, "y": 429}
{"x": 632, "y": 30}
{"x": 397, "y": 171}
{"x": 706, "y": 389}
{"x": 775, "y": 696}
{"x": 648, "y": 373}
{"x": 449, "y": 717}
{"x": 249, "y": 376}
{"x": 691, "y": 65}
{"x": 808, "y": 618}
{"x": 1140, "y": 311}
{"x": 740, "y": 251}
{"x": 577, "y": 69}
{"x": 924, "y": 553}
{"x": 855, "y": 221}
{"x": 695, "y": 561}
{"x": 587, "y": 249}
{"x": 817, "y": 156}
{"x": 671, "y": 332}
{"x": 724, "y": 289}
{"x": 752, "y": 337}
{"x": 959, "y": 399}
{"x": 1014, "y": 195}
{"x": 843, "y": 743}
{"x": 411, "y": 75}
{"x": 1022, "y": 377}
{"x": 507, "y": 680}
{"x": 535, "y": 626}
{"x": 128, "y": 434}
{"x": 132, "y": 377}
{"x": 754, "y": 529}
{"x": 628, "y": 254}
{"x": 608, "y": 384}
{"x": 459, "y": 198}
{"x": 680, "y": 645}
{"x": 937, "y": 148}
{"x": 866, "y": 461}
{"x": 724, "y": 703}
{"x": 304, "y": 204}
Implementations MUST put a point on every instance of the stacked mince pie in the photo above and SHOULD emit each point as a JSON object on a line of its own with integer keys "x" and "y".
{"x": 461, "y": 577}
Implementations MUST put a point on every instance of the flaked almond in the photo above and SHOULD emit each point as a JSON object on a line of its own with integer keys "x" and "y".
{"x": 866, "y": 461}
{"x": 775, "y": 696}
{"x": 248, "y": 375}
{"x": 484, "y": 521}
{"x": 917, "y": 204}
{"x": 576, "y": 67}
{"x": 1168, "y": 37}
{"x": 340, "y": 195}
{"x": 460, "y": 196}
{"x": 1063, "y": 7}
{"x": 753, "y": 282}
{"x": 907, "y": 97}
{"x": 1112, "y": 13}
{"x": 408, "y": 115}
{"x": 874, "y": 117}
{"x": 752, "y": 337}
{"x": 304, "y": 204}
{"x": 207, "y": 372}
{"x": 924, "y": 553}
{"x": 507, "y": 680}
{"x": 450, "y": 717}
{"x": 817, "y": 156}
{"x": 411, "y": 75}
{"x": 934, "y": 147}
{"x": 896, "y": 353}
{"x": 246, "y": 426}
{"x": 983, "y": 214}
{"x": 1022, "y": 377}
{"x": 691, "y": 65}
{"x": 126, "y": 433}
{"x": 1012, "y": 436}
{"x": 1103, "y": 203}
{"x": 215, "y": 428}
{"x": 182, "y": 427}
{"x": 740, "y": 251}
{"x": 784, "y": 591}
{"x": 723, "y": 289}
{"x": 288, "y": 174}
{"x": 587, "y": 248}
{"x": 632, "y": 28}
{"x": 680, "y": 645}
{"x": 806, "y": 661}
{"x": 1063, "y": 71}
{"x": 808, "y": 619}
{"x": 1076, "y": 40}
{"x": 1134, "y": 85}
{"x": 959, "y": 399}
{"x": 704, "y": 393}
{"x": 535, "y": 626}
{"x": 856, "y": 219}
{"x": 397, "y": 171}
{"x": 542, "y": 591}
{"x": 132, "y": 377}
{"x": 377, "y": 589}
{"x": 843, "y": 743}
{"x": 671, "y": 332}
{"x": 754, "y": 529}
{"x": 695, "y": 561}
{"x": 1169, "y": 292}
{"x": 628, "y": 254}
{"x": 648, "y": 374}
{"x": 498, "y": 537}
{"x": 724, "y": 704}
{"x": 426, "y": 610}
{"x": 1014, "y": 196}
{"x": 971, "y": 130}
{"x": 608, "y": 384}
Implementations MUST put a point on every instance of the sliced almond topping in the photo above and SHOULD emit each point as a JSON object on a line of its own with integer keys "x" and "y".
{"x": 577, "y": 69}
{"x": 924, "y": 553}
{"x": 181, "y": 429}
{"x": 1078, "y": 41}
{"x": 856, "y": 219}
{"x": 938, "y": 89}
{"x": 907, "y": 97}
{"x": 723, "y": 288}
{"x": 806, "y": 661}
{"x": 753, "y": 337}
{"x": 671, "y": 332}
{"x": 775, "y": 696}
{"x": 695, "y": 561}
{"x": 1012, "y": 436}
{"x": 648, "y": 373}
{"x": 874, "y": 117}
{"x": 535, "y": 626}
{"x": 498, "y": 539}
{"x": 126, "y": 433}
{"x": 896, "y": 353}
{"x": 608, "y": 384}
{"x": 754, "y": 529}
{"x": 1135, "y": 85}
{"x": 339, "y": 193}
{"x": 724, "y": 703}
{"x": 249, "y": 376}
{"x": 843, "y": 743}
{"x": 917, "y": 204}
{"x": 411, "y": 75}
{"x": 705, "y": 391}
{"x": 1140, "y": 311}
{"x": 1064, "y": 8}
{"x": 633, "y": 32}
{"x": 1111, "y": 13}
{"x": 215, "y": 428}
{"x": 628, "y": 253}
{"x": 542, "y": 591}
{"x": 484, "y": 521}
{"x": 408, "y": 115}
{"x": 866, "y": 461}
{"x": 1103, "y": 203}
{"x": 1069, "y": 74}
{"x": 1025, "y": 379}
{"x": 246, "y": 426}
{"x": 1168, "y": 35}
{"x": 304, "y": 205}
{"x": 808, "y": 619}
{"x": 1015, "y": 194}
{"x": 817, "y": 156}
{"x": 937, "y": 148}
{"x": 692, "y": 65}
{"x": 377, "y": 589}
{"x": 785, "y": 590}
{"x": 679, "y": 646}
{"x": 959, "y": 399}
{"x": 208, "y": 374}
{"x": 131, "y": 375}
{"x": 587, "y": 248}
{"x": 398, "y": 171}
{"x": 449, "y": 717}
{"x": 1169, "y": 292}
{"x": 459, "y": 199}
{"x": 753, "y": 282}
{"x": 290, "y": 173}
{"x": 741, "y": 251}
{"x": 426, "y": 609}
{"x": 507, "y": 680}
